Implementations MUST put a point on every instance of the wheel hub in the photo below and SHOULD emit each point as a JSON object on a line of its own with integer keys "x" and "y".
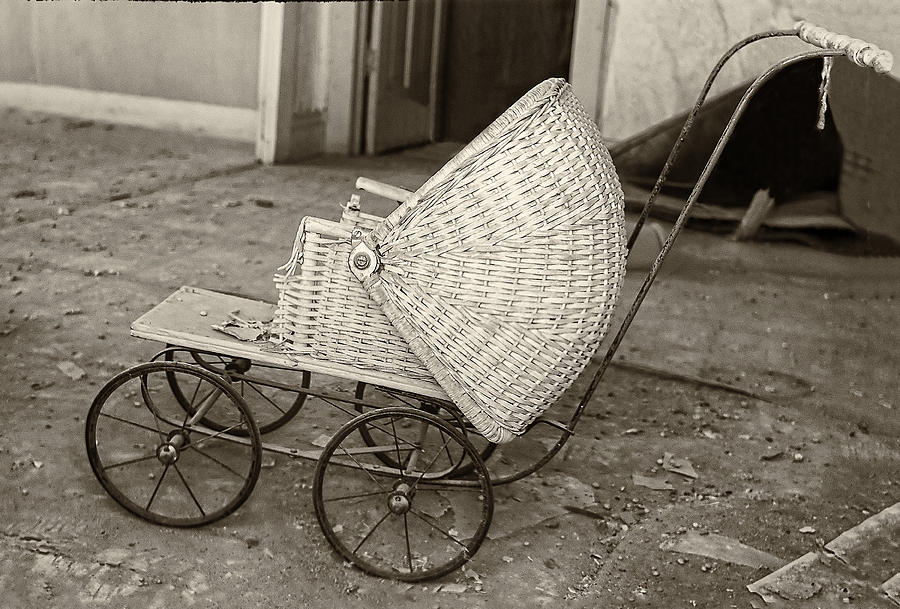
{"x": 400, "y": 500}
{"x": 168, "y": 452}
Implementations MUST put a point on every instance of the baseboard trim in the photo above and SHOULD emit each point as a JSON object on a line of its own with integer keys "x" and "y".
{"x": 213, "y": 120}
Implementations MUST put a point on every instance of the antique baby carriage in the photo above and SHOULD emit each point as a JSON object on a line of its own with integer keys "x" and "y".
{"x": 473, "y": 307}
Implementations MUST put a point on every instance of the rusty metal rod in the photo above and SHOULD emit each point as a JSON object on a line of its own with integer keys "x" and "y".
{"x": 685, "y": 212}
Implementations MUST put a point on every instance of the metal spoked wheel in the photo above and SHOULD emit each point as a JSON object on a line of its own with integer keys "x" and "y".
{"x": 271, "y": 393}
{"x": 410, "y": 524}
{"x": 158, "y": 463}
{"x": 373, "y": 437}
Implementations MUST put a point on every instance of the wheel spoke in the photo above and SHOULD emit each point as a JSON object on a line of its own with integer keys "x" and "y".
{"x": 397, "y": 397}
{"x": 121, "y": 420}
{"x": 214, "y": 436}
{"x": 156, "y": 490}
{"x": 424, "y": 518}
{"x": 148, "y": 402}
{"x": 208, "y": 395}
{"x": 360, "y": 465}
{"x": 408, "y": 551}
{"x": 441, "y": 488}
{"x": 332, "y": 403}
{"x": 437, "y": 453}
{"x": 397, "y": 447}
{"x": 356, "y": 496}
{"x": 372, "y": 530}
{"x": 194, "y": 396}
{"x": 267, "y": 398}
{"x": 129, "y": 462}
{"x": 188, "y": 487}
{"x": 447, "y": 449}
{"x": 215, "y": 460}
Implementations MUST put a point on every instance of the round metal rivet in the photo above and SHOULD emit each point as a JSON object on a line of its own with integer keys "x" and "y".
{"x": 361, "y": 261}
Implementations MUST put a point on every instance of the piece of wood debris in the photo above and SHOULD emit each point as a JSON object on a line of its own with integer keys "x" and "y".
{"x": 71, "y": 370}
{"x": 454, "y": 588}
{"x": 240, "y": 333}
{"x": 656, "y": 484}
{"x": 760, "y": 206}
{"x": 679, "y": 465}
{"x": 720, "y": 547}
{"x": 791, "y": 580}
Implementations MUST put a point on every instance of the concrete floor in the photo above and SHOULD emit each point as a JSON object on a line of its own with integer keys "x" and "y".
{"x": 99, "y": 223}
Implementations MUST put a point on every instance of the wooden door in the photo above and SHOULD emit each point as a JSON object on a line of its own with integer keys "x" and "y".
{"x": 402, "y": 65}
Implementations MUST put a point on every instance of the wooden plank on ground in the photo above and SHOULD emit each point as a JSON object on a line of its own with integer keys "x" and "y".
{"x": 779, "y": 584}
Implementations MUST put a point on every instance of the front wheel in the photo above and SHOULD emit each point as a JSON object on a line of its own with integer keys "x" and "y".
{"x": 408, "y": 523}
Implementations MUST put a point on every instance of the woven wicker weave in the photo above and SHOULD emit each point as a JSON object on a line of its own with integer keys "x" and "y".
{"x": 503, "y": 269}
{"x": 323, "y": 312}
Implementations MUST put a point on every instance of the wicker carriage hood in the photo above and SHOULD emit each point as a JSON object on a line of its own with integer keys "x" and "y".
{"x": 503, "y": 269}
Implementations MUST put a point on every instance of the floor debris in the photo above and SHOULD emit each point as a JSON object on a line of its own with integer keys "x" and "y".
{"x": 797, "y": 579}
{"x": 760, "y": 206}
{"x": 891, "y": 588}
{"x": 656, "y": 484}
{"x": 454, "y": 588}
{"x": 71, "y": 370}
{"x": 556, "y": 490}
{"x": 722, "y": 548}
{"x": 679, "y": 466}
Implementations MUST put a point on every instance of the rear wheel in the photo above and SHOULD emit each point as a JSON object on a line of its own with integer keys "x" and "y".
{"x": 271, "y": 392}
{"x": 157, "y": 463}
{"x": 385, "y": 397}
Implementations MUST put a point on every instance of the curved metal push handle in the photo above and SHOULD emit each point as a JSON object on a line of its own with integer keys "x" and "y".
{"x": 862, "y": 53}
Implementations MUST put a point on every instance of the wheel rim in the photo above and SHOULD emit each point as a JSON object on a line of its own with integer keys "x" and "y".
{"x": 373, "y": 438}
{"x": 410, "y": 525}
{"x": 263, "y": 389}
{"x": 157, "y": 464}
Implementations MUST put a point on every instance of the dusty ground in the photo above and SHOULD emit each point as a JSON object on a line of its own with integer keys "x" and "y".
{"x": 99, "y": 223}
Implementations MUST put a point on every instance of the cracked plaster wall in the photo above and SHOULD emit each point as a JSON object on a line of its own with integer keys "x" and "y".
{"x": 662, "y": 51}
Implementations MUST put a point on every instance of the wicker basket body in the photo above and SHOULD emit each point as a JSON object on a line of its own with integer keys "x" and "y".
{"x": 503, "y": 269}
{"x": 497, "y": 278}
{"x": 324, "y": 313}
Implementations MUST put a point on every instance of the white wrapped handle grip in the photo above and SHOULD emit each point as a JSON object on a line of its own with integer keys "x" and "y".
{"x": 860, "y": 52}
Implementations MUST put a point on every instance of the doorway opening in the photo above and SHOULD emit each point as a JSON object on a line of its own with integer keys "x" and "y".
{"x": 442, "y": 70}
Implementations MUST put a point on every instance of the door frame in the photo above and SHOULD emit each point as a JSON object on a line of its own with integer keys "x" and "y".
{"x": 591, "y": 44}
{"x": 367, "y": 74}
{"x": 341, "y": 37}
{"x": 307, "y": 80}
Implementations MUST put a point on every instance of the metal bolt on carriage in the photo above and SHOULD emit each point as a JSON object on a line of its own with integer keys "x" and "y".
{"x": 445, "y": 333}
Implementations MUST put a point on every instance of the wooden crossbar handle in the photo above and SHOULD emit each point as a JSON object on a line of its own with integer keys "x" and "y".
{"x": 394, "y": 193}
{"x": 860, "y": 52}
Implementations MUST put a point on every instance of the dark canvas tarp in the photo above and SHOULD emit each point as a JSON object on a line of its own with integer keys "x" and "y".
{"x": 840, "y": 181}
